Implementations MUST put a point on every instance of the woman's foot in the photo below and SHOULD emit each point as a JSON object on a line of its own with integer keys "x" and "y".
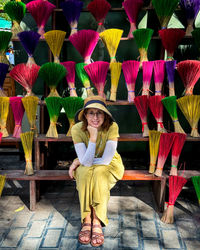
{"x": 97, "y": 234}
{"x": 84, "y": 236}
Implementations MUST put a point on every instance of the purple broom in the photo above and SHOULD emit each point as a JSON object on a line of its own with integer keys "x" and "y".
{"x": 3, "y": 71}
{"x": 147, "y": 68}
{"x": 159, "y": 75}
{"x": 170, "y": 68}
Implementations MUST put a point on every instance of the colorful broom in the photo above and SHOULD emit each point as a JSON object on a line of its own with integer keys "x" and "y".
{"x": 170, "y": 69}
{"x": 115, "y": 71}
{"x": 71, "y": 10}
{"x": 147, "y": 69}
{"x": 5, "y": 37}
{"x": 171, "y": 107}
{"x": 97, "y": 71}
{"x": 159, "y": 75}
{"x": 154, "y": 140}
{"x": 141, "y": 103}
{"x": 132, "y": 9}
{"x": 52, "y": 74}
{"x": 196, "y": 183}
{"x": 130, "y": 69}
{"x": 196, "y": 37}
{"x": 85, "y": 42}
{"x": 111, "y": 39}
{"x": 18, "y": 113}
{"x": 27, "y": 143}
{"x": 176, "y": 184}
{"x": 1, "y": 136}
{"x": 4, "y": 110}
{"x": 3, "y": 71}
{"x": 189, "y": 71}
{"x": 40, "y": 11}
{"x": 70, "y": 76}
{"x": 29, "y": 40}
{"x": 71, "y": 105}
{"x": 54, "y": 108}
{"x": 2, "y": 183}
{"x": 99, "y": 9}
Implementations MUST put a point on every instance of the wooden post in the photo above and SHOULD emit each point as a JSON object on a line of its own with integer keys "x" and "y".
{"x": 32, "y": 195}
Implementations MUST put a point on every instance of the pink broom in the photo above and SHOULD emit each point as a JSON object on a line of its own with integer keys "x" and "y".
{"x": 159, "y": 75}
{"x": 170, "y": 69}
{"x": 97, "y": 72}
{"x": 85, "y": 42}
{"x": 141, "y": 103}
{"x": 130, "y": 69}
{"x": 70, "y": 76}
{"x": 147, "y": 68}
{"x": 18, "y": 113}
{"x": 0, "y": 136}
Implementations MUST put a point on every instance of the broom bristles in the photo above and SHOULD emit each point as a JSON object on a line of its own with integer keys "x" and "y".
{"x": 4, "y": 110}
{"x": 2, "y": 180}
{"x": 170, "y": 69}
{"x": 154, "y": 140}
{"x": 196, "y": 183}
{"x": 99, "y": 9}
{"x": 147, "y": 68}
{"x": 71, "y": 10}
{"x": 159, "y": 75}
{"x": 1, "y": 136}
{"x": 191, "y": 8}
{"x": 115, "y": 71}
{"x": 15, "y": 10}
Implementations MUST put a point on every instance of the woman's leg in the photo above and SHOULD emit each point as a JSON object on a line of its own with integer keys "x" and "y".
{"x": 97, "y": 233}
{"x": 85, "y": 233}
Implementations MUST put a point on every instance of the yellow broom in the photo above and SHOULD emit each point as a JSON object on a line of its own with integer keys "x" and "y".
{"x": 2, "y": 183}
{"x": 115, "y": 69}
{"x": 27, "y": 143}
{"x": 55, "y": 39}
{"x": 111, "y": 39}
{"x": 154, "y": 140}
{"x": 189, "y": 105}
{"x": 4, "y": 110}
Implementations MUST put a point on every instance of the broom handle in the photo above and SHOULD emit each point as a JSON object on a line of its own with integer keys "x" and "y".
{"x": 132, "y": 28}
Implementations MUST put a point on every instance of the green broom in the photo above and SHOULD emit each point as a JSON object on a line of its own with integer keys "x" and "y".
{"x": 52, "y": 73}
{"x": 196, "y": 183}
{"x": 54, "y": 108}
{"x": 2, "y": 183}
{"x": 71, "y": 105}
{"x": 5, "y": 37}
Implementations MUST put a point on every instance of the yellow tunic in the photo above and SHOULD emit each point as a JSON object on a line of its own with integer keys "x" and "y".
{"x": 94, "y": 183}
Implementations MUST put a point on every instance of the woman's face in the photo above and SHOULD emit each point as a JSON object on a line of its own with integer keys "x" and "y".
{"x": 95, "y": 117}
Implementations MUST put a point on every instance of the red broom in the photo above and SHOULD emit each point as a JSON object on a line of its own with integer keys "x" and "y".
{"x": 147, "y": 68}
{"x": 170, "y": 40}
{"x": 176, "y": 184}
{"x": 159, "y": 75}
{"x": 97, "y": 72}
{"x": 189, "y": 71}
{"x": 85, "y": 41}
{"x": 141, "y": 103}
{"x": 132, "y": 8}
{"x": 18, "y": 113}
{"x": 70, "y": 76}
{"x": 130, "y": 69}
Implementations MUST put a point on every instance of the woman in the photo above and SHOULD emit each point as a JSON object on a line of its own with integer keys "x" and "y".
{"x": 97, "y": 168}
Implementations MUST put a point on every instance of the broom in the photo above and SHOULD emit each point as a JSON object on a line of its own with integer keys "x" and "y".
{"x": 16, "y": 11}
{"x": 40, "y": 11}
{"x": 52, "y": 74}
{"x": 159, "y": 75}
{"x": 170, "y": 40}
{"x": 147, "y": 69}
{"x": 189, "y": 71}
{"x": 29, "y": 40}
{"x": 115, "y": 70}
{"x": 71, "y": 105}
{"x": 54, "y": 108}
{"x": 85, "y": 42}
{"x": 111, "y": 39}
{"x": 27, "y": 143}
{"x": 196, "y": 183}
{"x": 170, "y": 69}
{"x": 154, "y": 139}
{"x": 189, "y": 106}
{"x": 2, "y": 182}
{"x": 141, "y": 103}
{"x": 130, "y": 69}
{"x": 132, "y": 8}
{"x": 196, "y": 37}
{"x": 0, "y": 136}
{"x": 176, "y": 184}
{"x": 71, "y": 10}
{"x": 142, "y": 38}
{"x": 70, "y": 76}
{"x": 3, "y": 71}
{"x": 18, "y": 113}
{"x": 84, "y": 78}
{"x": 99, "y": 9}
{"x": 97, "y": 71}
{"x": 4, "y": 110}
{"x": 171, "y": 107}
{"x": 5, "y": 37}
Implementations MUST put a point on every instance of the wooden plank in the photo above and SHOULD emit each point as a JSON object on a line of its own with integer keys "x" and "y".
{"x": 32, "y": 187}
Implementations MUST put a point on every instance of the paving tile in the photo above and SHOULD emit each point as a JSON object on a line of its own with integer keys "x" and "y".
{"x": 57, "y": 221}
{"x": 187, "y": 229}
{"x": 129, "y": 219}
{"x": 151, "y": 245}
{"x": 111, "y": 243}
{"x": 192, "y": 245}
{"x": 67, "y": 243}
{"x": 73, "y": 228}
{"x": 52, "y": 238}
{"x": 112, "y": 229}
{"x": 29, "y": 244}
{"x": 22, "y": 220}
{"x": 13, "y": 238}
{"x": 148, "y": 229}
{"x": 168, "y": 235}
{"x": 37, "y": 228}
{"x": 130, "y": 238}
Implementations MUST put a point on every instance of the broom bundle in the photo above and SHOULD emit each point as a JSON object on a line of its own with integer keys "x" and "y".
{"x": 3, "y": 71}
{"x": 141, "y": 103}
{"x": 2, "y": 182}
{"x": 71, "y": 10}
{"x": 154, "y": 140}
{"x": 29, "y": 40}
{"x": 196, "y": 184}
{"x": 71, "y": 105}
{"x": 189, "y": 71}
{"x": 5, "y": 37}
{"x": 111, "y": 39}
{"x": 132, "y": 8}
{"x": 99, "y": 9}
{"x": 115, "y": 71}
{"x": 130, "y": 69}
{"x": 27, "y": 143}
{"x": 18, "y": 113}
{"x": 159, "y": 75}
{"x": 171, "y": 107}
{"x": 52, "y": 73}
{"x": 54, "y": 108}
{"x": 85, "y": 42}
{"x": 170, "y": 69}
{"x": 189, "y": 105}
{"x": 176, "y": 184}
{"x": 97, "y": 71}
{"x": 147, "y": 70}
{"x": 4, "y": 110}
{"x": 0, "y": 136}
{"x": 40, "y": 11}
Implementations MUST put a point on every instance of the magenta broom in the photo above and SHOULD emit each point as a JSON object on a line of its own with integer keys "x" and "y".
{"x": 147, "y": 69}
{"x": 170, "y": 69}
{"x": 159, "y": 75}
{"x": 0, "y": 136}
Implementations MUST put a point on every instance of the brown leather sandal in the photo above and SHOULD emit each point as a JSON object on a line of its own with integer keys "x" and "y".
{"x": 96, "y": 235}
{"x": 85, "y": 233}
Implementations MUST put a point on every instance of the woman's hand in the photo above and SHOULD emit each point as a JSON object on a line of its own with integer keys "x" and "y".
{"x": 93, "y": 133}
{"x": 73, "y": 166}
